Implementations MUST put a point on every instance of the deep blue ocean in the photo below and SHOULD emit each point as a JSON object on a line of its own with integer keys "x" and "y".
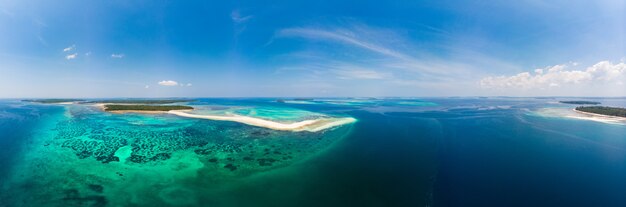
{"x": 424, "y": 152}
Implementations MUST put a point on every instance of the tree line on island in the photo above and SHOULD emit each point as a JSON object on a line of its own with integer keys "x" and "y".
{"x": 580, "y": 102}
{"x": 114, "y": 107}
{"x": 603, "y": 110}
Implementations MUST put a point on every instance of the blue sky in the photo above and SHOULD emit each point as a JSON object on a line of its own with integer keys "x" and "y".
{"x": 311, "y": 48}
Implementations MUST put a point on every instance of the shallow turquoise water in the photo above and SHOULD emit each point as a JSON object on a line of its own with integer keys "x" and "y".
{"x": 401, "y": 152}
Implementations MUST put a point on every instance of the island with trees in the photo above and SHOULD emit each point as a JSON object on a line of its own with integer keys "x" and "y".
{"x": 144, "y": 108}
{"x": 603, "y": 110}
{"x": 580, "y": 102}
{"x": 141, "y": 101}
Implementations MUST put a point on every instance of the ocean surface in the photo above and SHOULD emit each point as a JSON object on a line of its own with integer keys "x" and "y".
{"x": 495, "y": 151}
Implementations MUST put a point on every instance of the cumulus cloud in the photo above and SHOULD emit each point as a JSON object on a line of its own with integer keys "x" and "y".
{"x": 600, "y": 73}
{"x": 117, "y": 55}
{"x": 168, "y": 83}
{"x": 71, "y": 56}
{"x": 70, "y": 48}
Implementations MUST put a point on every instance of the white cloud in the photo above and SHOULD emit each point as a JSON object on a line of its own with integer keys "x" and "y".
{"x": 87, "y": 53}
{"x": 117, "y": 56}
{"x": 188, "y": 84}
{"x": 235, "y": 15}
{"x": 70, "y": 48}
{"x": 600, "y": 73}
{"x": 147, "y": 86}
{"x": 168, "y": 83}
{"x": 71, "y": 56}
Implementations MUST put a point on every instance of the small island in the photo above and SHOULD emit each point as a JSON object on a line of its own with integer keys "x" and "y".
{"x": 53, "y": 100}
{"x": 121, "y": 108}
{"x": 603, "y": 110}
{"x": 142, "y": 101}
{"x": 580, "y": 102}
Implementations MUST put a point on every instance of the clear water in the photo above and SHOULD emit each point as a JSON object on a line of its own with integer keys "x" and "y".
{"x": 401, "y": 152}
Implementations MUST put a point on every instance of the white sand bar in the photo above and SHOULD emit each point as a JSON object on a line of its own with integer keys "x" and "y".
{"x": 313, "y": 125}
{"x": 599, "y": 117}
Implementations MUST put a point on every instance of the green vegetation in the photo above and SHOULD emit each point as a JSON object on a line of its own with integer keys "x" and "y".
{"x": 113, "y": 107}
{"x": 142, "y": 101}
{"x": 52, "y": 100}
{"x": 604, "y": 110}
{"x": 580, "y": 102}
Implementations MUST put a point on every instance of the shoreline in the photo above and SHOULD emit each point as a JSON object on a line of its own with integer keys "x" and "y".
{"x": 140, "y": 112}
{"x": 599, "y": 117}
{"x": 102, "y": 107}
{"x": 313, "y": 125}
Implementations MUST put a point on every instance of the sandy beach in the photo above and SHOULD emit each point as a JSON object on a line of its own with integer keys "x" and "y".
{"x": 599, "y": 117}
{"x": 102, "y": 107}
{"x": 306, "y": 125}
{"x": 313, "y": 125}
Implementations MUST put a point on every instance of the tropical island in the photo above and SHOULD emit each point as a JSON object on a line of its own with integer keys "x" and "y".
{"x": 603, "y": 110}
{"x": 53, "y": 100}
{"x": 141, "y": 101}
{"x": 580, "y": 102}
{"x": 121, "y": 108}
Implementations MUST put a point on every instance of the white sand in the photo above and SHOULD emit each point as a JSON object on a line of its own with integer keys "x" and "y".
{"x": 313, "y": 125}
{"x": 599, "y": 117}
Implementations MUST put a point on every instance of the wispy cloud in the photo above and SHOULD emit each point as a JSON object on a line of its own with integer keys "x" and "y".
{"x": 39, "y": 23}
{"x": 358, "y": 73}
{"x": 71, "y": 56}
{"x": 239, "y": 21}
{"x": 117, "y": 55}
{"x": 42, "y": 40}
{"x": 70, "y": 48}
{"x": 377, "y": 53}
{"x": 7, "y": 12}
{"x": 341, "y": 36}
{"x": 237, "y": 18}
{"x": 168, "y": 83}
{"x": 603, "y": 72}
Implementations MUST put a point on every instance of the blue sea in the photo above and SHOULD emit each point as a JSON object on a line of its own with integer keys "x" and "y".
{"x": 457, "y": 151}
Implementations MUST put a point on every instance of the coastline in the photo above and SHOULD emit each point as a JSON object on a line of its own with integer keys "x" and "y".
{"x": 599, "y": 117}
{"x": 313, "y": 125}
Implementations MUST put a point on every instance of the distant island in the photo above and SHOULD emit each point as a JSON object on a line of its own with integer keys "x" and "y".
{"x": 581, "y": 102}
{"x": 142, "y": 101}
{"x": 52, "y": 100}
{"x": 603, "y": 110}
{"x": 144, "y": 108}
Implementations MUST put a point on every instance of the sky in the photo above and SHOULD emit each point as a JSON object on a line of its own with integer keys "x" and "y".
{"x": 125, "y": 48}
